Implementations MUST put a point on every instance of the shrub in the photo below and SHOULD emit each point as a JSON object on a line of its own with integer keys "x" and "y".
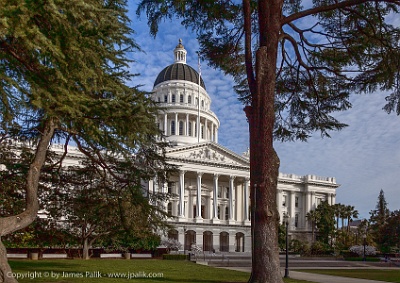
{"x": 320, "y": 248}
{"x": 299, "y": 247}
{"x": 174, "y": 257}
{"x": 369, "y": 250}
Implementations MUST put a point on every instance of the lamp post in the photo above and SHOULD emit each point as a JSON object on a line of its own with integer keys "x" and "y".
{"x": 286, "y": 218}
{"x": 365, "y": 242}
{"x": 184, "y": 239}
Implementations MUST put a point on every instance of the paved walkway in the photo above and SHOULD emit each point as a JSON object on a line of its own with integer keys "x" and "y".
{"x": 319, "y": 278}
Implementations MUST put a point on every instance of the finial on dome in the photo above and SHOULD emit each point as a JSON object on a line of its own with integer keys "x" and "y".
{"x": 180, "y": 53}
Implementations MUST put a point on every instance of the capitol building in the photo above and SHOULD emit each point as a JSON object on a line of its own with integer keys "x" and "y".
{"x": 210, "y": 202}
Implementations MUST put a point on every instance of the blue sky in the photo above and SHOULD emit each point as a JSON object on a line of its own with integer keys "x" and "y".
{"x": 364, "y": 157}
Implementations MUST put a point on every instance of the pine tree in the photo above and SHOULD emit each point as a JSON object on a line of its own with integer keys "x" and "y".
{"x": 378, "y": 219}
{"x": 63, "y": 77}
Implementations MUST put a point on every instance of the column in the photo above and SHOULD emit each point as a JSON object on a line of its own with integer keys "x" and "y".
{"x": 246, "y": 201}
{"x": 181, "y": 237}
{"x": 291, "y": 209}
{"x": 199, "y": 218}
{"x": 231, "y": 186}
{"x": 215, "y": 199}
{"x": 232, "y": 241}
{"x": 307, "y": 207}
{"x": 279, "y": 204}
{"x": 216, "y": 135}
{"x": 216, "y": 243}
{"x": 212, "y": 132}
{"x": 181, "y": 193}
{"x": 329, "y": 198}
{"x": 164, "y": 191}
{"x": 333, "y": 201}
{"x": 165, "y": 124}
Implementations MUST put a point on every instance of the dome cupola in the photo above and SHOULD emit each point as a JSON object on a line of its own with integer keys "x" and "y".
{"x": 179, "y": 70}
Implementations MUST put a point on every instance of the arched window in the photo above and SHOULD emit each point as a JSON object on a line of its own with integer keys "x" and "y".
{"x": 189, "y": 99}
{"x": 172, "y": 128}
{"x": 181, "y": 128}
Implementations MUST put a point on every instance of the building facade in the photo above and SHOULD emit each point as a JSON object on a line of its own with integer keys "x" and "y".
{"x": 210, "y": 198}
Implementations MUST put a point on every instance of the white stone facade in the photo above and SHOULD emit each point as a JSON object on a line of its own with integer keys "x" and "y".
{"x": 210, "y": 196}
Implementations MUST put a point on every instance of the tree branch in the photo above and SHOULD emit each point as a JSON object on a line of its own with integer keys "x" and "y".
{"x": 327, "y": 8}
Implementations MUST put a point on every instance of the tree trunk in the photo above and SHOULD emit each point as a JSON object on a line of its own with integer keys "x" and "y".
{"x": 85, "y": 249}
{"x": 13, "y": 223}
{"x": 264, "y": 161}
{"x": 5, "y": 269}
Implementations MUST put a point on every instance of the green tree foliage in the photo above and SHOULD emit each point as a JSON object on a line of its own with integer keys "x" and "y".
{"x": 63, "y": 77}
{"x": 313, "y": 216}
{"x": 295, "y": 64}
{"x": 378, "y": 220}
{"x": 391, "y": 233}
{"x": 326, "y": 222}
{"x": 97, "y": 208}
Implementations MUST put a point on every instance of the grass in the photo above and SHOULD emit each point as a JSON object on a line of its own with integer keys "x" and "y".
{"x": 105, "y": 271}
{"x": 388, "y": 275}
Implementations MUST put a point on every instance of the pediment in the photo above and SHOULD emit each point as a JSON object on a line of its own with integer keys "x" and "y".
{"x": 207, "y": 153}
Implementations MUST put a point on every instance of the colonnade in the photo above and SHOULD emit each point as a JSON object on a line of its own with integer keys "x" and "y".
{"x": 200, "y": 197}
{"x": 185, "y": 124}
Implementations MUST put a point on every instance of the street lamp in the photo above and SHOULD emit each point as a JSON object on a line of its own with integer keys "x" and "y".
{"x": 365, "y": 242}
{"x": 286, "y": 218}
{"x": 184, "y": 239}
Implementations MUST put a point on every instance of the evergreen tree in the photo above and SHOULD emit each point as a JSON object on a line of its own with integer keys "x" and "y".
{"x": 63, "y": 77}
{"x": 295, "y": 63}
{"x": 391, "y": 233}
{"x": 378, "y": 219}
{"x": 294, "y": 66}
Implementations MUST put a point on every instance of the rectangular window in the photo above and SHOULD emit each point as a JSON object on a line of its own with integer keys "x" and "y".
{"x": 171, "y": 187}
{"x": 165, "y": 98}
{"x": 284, "y": 200}
{"x": 173, "y": 98}
{"x": 172, "y": 128}
{"x": 181, "y": 98}
{"x": 296, "y": 220}
{"x": 190, "y": 129}
{"x": 189, "y": 99}
{"x": 227, "y": 192}
{"x": 296, "y": 201}
{"x": 181, "y": 128}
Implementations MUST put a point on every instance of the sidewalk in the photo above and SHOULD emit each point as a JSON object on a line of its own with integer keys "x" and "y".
{"x": 327, "y": 278}
{"x": 318, "y": 278}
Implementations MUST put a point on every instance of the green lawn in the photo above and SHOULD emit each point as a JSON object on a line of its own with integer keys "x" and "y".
{"x": 388, "y": 275}
{"x": 104, "y": 271}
